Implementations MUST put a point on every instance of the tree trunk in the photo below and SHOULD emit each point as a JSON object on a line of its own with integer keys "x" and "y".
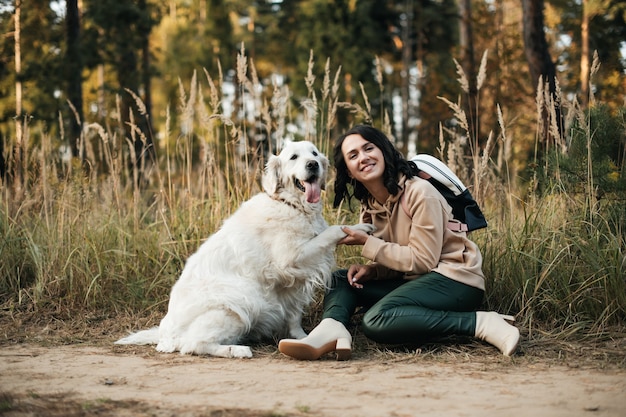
{"x": 3, "y": 168}
{"x": 147, "y": 85}
{"x": 132, "y": 70}
{"x": 584, "y": 55}
{"x": 541, "y": 66}
{"x": 146, "y": 76}
{"x": 18, "y": 63}
{"x": 407, "y": 49}
{"x": 100, "y": 95}
{"x": 18, "y": 153}
{"x": 469, "y": 66}
{"x": 127, "y": 78}
{"x": 74, "y": 75}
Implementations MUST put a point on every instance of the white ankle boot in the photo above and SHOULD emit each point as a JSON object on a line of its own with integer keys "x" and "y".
{"x": 492, "y": 328}
{"x": 330, "y": 335}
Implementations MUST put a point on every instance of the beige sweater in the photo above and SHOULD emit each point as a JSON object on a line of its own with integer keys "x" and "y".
{"x": 408, "y": 247}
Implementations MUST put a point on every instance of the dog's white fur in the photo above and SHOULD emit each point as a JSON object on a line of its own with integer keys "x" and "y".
{"x": 253, "y": 278}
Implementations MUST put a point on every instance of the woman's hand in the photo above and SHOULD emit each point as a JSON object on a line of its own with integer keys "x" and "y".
{"x": 354, "y": 237}
{"x": 358, "y": 274}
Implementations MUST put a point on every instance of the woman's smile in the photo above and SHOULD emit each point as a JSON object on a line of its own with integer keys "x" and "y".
{"x": 368, "y": 167}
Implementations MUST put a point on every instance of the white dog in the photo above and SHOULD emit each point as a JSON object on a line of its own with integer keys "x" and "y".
{"x": 253, "y": 278}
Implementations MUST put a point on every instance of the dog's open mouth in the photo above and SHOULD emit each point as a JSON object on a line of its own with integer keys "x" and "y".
{"x": 311, "y": 188}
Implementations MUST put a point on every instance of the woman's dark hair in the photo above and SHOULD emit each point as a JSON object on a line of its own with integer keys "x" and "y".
{"x": 395, "y": 164}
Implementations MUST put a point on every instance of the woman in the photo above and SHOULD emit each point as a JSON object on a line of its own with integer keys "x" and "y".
{"x": 424, "y": 280}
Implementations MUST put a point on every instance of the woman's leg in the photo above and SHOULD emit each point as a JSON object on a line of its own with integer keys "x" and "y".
{"x": 342, "y": 299}
{"x": 432, "y": 305}
{"x": 331, "y": 335}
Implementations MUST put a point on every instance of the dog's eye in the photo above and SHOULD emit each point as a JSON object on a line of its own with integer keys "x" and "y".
{"x": 294, "y": 157}
{"x": 314, "y": 153}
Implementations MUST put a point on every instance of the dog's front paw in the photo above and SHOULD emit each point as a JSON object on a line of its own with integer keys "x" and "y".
{"x": 364, "y": 227}
{"x": 240, "y": 352}
{"x": 231, "y": 351}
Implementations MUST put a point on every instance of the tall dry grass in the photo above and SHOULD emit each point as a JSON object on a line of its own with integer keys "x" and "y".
{"x": 91, "y": 237}
{"x": 555, "y": 252}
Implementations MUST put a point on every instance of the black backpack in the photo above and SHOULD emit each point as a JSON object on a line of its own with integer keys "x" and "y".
{"x": 464, "y": 208}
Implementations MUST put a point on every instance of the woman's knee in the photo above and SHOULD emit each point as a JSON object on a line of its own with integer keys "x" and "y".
{"x": 373, "y": 324}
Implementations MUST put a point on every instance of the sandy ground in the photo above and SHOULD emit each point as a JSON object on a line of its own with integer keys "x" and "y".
{"x": 139, "y": 381}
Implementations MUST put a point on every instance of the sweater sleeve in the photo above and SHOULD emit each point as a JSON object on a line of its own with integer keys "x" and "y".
{"x": 425, "y": 241}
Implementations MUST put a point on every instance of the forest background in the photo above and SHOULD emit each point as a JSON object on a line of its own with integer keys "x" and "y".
{"x": 129, "y": 130}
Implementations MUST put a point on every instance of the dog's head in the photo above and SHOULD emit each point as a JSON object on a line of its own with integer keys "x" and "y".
{"x": 298, "y": 172}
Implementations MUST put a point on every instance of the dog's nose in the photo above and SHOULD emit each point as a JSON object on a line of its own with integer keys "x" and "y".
{"x": 312, "y": 165}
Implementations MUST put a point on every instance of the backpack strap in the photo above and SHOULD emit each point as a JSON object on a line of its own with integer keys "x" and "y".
{"x": 457, "y": 226}
{"x": 424, "y": 175}
{"x": 453, "y": 225}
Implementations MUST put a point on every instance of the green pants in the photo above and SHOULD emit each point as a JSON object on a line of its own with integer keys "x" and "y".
{"x": 401, "y": 311}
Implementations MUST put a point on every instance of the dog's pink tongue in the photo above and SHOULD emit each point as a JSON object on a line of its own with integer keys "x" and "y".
{"x": 313, "y": 192}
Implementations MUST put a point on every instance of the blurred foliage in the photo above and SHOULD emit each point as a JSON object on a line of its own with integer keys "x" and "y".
{"x": 593, "y": 161}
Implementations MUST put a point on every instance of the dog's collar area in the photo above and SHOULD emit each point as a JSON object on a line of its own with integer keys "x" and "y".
{"x": 282, "y": 200}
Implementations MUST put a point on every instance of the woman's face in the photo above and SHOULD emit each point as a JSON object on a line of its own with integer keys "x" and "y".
{"x": 364, "y": 160}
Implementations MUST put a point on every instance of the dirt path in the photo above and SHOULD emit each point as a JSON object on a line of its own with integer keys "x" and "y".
{"x": 140, "y": 382}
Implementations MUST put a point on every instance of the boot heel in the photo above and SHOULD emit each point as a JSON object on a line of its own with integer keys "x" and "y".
{"x": 343, "y": 349}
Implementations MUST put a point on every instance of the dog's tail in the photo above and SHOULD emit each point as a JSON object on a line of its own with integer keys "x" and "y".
{"x": 143, "y": 337}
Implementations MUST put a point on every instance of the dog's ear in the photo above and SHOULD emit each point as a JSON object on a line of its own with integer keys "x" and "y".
{"x": 325, "y": 165}
{"x": 271, "y": 180}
